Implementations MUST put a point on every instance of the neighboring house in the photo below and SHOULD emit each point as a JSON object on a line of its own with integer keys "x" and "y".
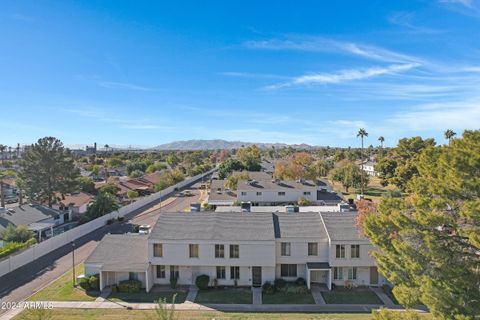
{"x": 341, "y": 207}
{"x": 37, "y": 218}
{"x": 76, "y": 204}
{"x": 245, "y": 249}
{"x": 280, "y": 192}
{"x": 369, "y": 168}
{"x": 255, "y": 175}
{"x": 268, "y": 166}
{"x": 152, "y": 179}
{"x": 10, "y": 190}
{"x": 219, "y": 195}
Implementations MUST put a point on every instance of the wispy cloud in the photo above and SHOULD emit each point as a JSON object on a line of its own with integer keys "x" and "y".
{"x": 21, "y": 17}
{"x": 343, "y": 76}
{"x": 122, "y": 85}
{"x": 405, "y": 19}
{"x": 465, "y": 3}
{"x": 319, "y": 44}
{"x": 252, "y": 75}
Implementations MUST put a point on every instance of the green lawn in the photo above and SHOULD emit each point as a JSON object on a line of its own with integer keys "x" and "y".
{"x": 354, "y": 296}
{"x": 114, "y": 314}
{"x": 282, "y": 297}
{"x": 62, "y": 289}
{"x": 148, "y": 297}
{"x": 225, "y": 295}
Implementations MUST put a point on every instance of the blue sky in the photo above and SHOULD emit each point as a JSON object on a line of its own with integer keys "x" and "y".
{"x": 150, "y": 72}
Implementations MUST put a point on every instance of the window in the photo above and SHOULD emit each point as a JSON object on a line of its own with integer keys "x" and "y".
{"x": 193, "y": 250}
{"x": 244, "y": 193}
{"x": 285, "y": 248}
{"x": 355, "y": 251}
{"x": 161, "y": 272}
{"x": 221, "y": 272}
{"x": 234, "y": 273}
{"x": 259, "y": 193}
{"x": 281, "y": 193}
{"x": 352, "y": 273}
{"x": 340, "y": 251}
{"x": 306, "y": 193}
{"x": 133, "y": 276}
{"x": 219, "y": 251}
{"x": 313, "y": 249}
{"x": 174, "y": 272}
{"x": 157, "y": 250}
{"x": 337, "y": 273}
{"x": 234, "y": 251}
{"x": 288, "y": 270}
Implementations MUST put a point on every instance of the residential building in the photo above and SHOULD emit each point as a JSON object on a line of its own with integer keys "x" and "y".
{"x": 220, "y": 196}
{"x": 245, "y": 249}
{"x": 76, "y": 204}
{"x": 368, "y": 167}
{"x": 278, "y": 192}
{"x": 37, "y": 218}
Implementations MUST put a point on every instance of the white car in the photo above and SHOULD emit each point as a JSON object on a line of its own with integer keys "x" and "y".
{"x": 144, "y": 229}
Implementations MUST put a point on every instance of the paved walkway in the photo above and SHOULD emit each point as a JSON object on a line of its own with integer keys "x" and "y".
{"x": 385, "y": 299}
{"x": 104, "y": 294}
{"x": 257, "y": 296}
{"x": 317, "y": 295}
{"x": 192, "y": 294}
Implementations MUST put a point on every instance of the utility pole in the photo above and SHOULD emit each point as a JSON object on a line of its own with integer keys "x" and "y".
{"x": 73, "y": 265}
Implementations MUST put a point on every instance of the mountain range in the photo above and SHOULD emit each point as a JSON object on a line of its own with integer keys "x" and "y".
{"x": 223, "y": 144}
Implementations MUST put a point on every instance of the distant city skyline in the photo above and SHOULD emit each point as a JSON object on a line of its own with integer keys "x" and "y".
{"x": 147, "y": 73}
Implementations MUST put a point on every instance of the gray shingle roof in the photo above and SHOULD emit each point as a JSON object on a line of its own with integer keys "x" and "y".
{"x": 269, "y": 185}
{"x": 341, "y": 226}
{"x": 214, "y": 226}
{"x": 121, "y": 252}
{"x": 25, "y": 215}
{"x": 299, "y": 225}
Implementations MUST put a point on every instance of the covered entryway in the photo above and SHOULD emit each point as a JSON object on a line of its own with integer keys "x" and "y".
{"x": 373, "y": 276}
{"x": 256, "y": 276}
{"x": 319, "y": 272}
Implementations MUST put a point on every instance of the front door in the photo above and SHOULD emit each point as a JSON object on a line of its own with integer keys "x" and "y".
{"x": 373, "y": 276}
{"x": 257, "y": 276}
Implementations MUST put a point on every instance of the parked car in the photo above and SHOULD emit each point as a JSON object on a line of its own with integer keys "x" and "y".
{"x": 144, "y": 229}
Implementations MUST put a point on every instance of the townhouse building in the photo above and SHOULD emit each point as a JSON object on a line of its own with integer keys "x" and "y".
{"x": 244, "y": 249}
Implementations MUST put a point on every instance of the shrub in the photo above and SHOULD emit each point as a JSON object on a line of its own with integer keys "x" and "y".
{"x": 130, "y": 286}
{"x": 279, "y": 283}
{"x": 268, "y": 288}
{"x": 94, "y": 283}
{"x": 12, "y": 247}
{"x": 120, "y": 219}
{"x": 386, "y": 314}
{"x": 202, "y": 281}
{"x": 300, "y": 281}
{"x": 84, "y": 283}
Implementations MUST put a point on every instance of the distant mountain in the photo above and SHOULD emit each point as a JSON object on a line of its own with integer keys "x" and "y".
{"x": 222, "y": 144}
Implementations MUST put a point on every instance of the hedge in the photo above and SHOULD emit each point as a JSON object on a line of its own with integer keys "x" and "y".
{"x": 12, "y": 247}
{"x": 129, "y": 286}
{"x": 202, "y": 281}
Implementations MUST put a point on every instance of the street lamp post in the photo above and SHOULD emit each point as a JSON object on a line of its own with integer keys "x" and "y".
{"x": 73, "y": 265}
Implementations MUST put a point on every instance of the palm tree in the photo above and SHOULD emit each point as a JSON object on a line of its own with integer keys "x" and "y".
{"x": 2, "y": 150}
{"x": 362, "y": 133}
{"x": 382, "y": 140}
{"x": 449, "y": 134}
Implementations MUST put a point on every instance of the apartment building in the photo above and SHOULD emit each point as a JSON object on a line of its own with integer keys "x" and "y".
{"x": 245, "y": 249}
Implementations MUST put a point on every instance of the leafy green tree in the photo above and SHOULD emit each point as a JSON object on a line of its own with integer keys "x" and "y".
{"x": 136, "y": 174}
{"x": 136, "y": 165}
{"x": 16, "y": 234}
{"x": 250, "y": 157}
{"x": 114, "y": 162}
{"x": 428, "y": 244}
{"x": 157, "y": 166}
{"x": 228, "y": 166}
{"x": 132, "y": 194}
{"x": 47, "y": 168}
{"x": 172, "y": 160}
{"x": 86, "y": 184}
{"x": 102, "y": 204}
{"x": 5, "y": 174}
{"x": 350, "y": 175}
{"x": 110, "y": 188}
{"x": 232, "y": 180}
